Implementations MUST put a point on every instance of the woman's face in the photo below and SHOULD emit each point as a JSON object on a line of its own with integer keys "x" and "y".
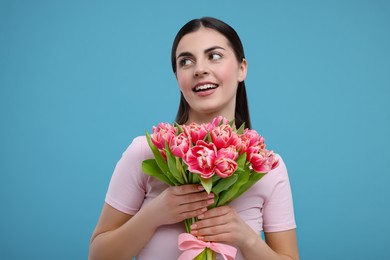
{"x": 208, "y": 74}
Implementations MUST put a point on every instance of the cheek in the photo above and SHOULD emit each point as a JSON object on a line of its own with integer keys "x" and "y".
{"x": 229, "y": 74}
{"x": 183, "y": 81}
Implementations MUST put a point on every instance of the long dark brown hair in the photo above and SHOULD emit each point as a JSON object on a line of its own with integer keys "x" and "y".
{"x": 241, "y": 114}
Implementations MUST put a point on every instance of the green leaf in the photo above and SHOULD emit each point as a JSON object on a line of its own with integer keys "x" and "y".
{"x": 172, "y": 179}
{"x": 240, "y": 170}
{"x": 241, "y": 161}
{"x": 157, "y": 155}
{"x": 224, "y": 184}
{"x": 160, "y": 160}
{"x": 215, "y": 178}
{"x": 240, "y": 130}
{"x": 253, "y": 178}
{"x": 231, "y": 123}
{"x": 195, "y": 178}
{"x": 176, "y": 174}
{"x": 207, "y": 184}
{"x": 216, "y": 199}
{"x": 179, "y": 127}
{"x": 228, "y": 195}
{"x": 180, "y": 168}
{"x": 202, "y": 255}
{"x": 207, "y": 138}
{"x": 151, "y": 168}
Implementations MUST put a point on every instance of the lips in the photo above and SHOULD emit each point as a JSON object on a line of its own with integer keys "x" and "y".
{"x": 204, "y": 87}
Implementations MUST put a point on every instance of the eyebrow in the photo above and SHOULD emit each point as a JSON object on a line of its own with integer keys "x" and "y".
{"x": 186, "y": 53}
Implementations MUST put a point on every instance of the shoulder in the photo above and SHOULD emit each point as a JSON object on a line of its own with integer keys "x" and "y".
{"x": 281, "y": 168}
{"x": 276, "y": 176}
{"x": 128, "y": 183}
{"x": 138, "y": 148}
{"x": 139, "y": 142}
{"x": 278, "y": 212}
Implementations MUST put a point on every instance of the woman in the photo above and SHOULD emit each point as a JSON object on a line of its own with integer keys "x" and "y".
{"x": 143, "y": 217}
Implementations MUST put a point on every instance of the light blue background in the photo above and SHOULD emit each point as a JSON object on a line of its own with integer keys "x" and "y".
{"x": 80, "y": 79}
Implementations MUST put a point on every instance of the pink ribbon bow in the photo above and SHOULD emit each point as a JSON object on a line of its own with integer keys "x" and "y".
{"x": 193, "y": 247}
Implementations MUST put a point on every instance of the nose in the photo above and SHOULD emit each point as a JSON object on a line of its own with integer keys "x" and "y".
{"x": 200, "y": 70}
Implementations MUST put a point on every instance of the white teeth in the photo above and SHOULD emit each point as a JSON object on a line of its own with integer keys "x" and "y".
{"x": 204, "y": 87}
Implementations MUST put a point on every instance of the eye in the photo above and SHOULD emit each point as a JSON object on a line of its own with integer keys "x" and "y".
{"x": 185, "y": 62}
{"x": 215, "y": 56}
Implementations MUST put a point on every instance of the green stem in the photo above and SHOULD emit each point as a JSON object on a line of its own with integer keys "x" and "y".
{"x": 201, "y": 256}
{"x": 210, "y": 254}
{"x": 188, "y": 224}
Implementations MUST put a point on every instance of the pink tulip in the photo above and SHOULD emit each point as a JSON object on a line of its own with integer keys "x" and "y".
{"x": 241, "y": 142}
{"x": 201, "y": 158}
{"x": 273, "y": 160}
{"x": 228, "y": 152}
{"x": 164, "y": 154}
{"x": 220, "y": 120}
{"x": 195, "y": 131}
{"x": 225, "y": 167}
{"x": 162, "y": 134}
{"x": 222, "y": 136}
{"x": 179, "y": 145}
{"x": 261, "y": 160}
{"x": 253, "y": 137}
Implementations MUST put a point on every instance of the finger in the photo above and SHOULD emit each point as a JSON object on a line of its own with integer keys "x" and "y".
{"x": 214, "y": 217}
{"x": 209, "y": 231}
{"x": 187, "y": 189}
{"x": 191, "y": 214}
{"x": 216, "y": 212}
{"x": 204, "y": 202}
{"x": 210, "y": 223}
{"x": 196, "y": 197}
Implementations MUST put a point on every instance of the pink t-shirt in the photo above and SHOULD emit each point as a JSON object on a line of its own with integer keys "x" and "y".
{"x": 267, "y": 205}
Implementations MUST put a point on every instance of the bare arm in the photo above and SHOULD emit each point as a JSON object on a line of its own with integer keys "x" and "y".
{"x": 285, "y": 243}
{"x": 278, "y": 246}
{"x": 118, "y": 235}
{"x": 224, "y": 225}
{"x": 121, "y": 236}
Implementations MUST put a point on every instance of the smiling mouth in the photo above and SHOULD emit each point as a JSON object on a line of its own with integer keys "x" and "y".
{"x": 205, "y": 87}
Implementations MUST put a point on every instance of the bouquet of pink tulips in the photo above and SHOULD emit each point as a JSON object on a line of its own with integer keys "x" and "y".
{"x": 224, "y": 159}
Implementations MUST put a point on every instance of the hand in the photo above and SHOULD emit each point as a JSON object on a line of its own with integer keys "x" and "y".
{"x": 222, "y": 224}
{"x": 178, "y": 203}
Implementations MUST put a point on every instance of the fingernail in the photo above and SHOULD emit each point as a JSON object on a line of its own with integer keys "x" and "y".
{"x": 193, "y": 226}
{"x": 201, "y": 216}
{"x": 204, "y": 209}
{"x": 211, "y": 201}
{"x": 211, "y": 195}
{"x": 194, "y": 232}
{"x": 200, "y": 187}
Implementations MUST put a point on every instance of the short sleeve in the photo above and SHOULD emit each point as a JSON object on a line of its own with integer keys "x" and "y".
{"x": 127, "y": 187}
{"x": 278, "y": 211}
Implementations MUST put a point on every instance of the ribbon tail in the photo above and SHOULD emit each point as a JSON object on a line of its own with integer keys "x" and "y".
{"x": 190, "y": 254}
{"x": 227, "y": 252}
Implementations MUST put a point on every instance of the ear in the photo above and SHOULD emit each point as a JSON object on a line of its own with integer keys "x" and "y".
{"x": 242, "y": 70}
